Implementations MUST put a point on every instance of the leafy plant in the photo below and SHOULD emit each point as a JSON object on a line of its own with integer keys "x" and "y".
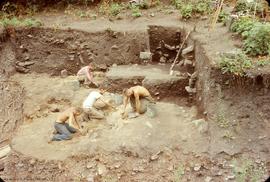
{"x": 115, "y": 9}
{"x": 236, "y": 65}
{"x": 257, "y": 40}
{"x": 203, "y": 7}
{"x": 177, "y": 3}
{"x": 223, "y": 17}
{"x": 135, "y": 11}
{"x": 262, "y": 62}
{"x": 245, "y": 6}
{"x": 243, "y": 25}
{"x": 186, "y": 11}
{"x": 29, "y": 22}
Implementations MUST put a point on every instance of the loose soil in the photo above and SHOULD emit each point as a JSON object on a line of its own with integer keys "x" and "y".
{"x": 214, "y": 136}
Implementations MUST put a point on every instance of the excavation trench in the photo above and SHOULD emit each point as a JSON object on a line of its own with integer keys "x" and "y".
{"x": 33, "y": 59}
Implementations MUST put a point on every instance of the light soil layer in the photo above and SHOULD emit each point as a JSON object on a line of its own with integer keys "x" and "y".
{"x": 155, "y": 78}
{"x": 171, "y": 127}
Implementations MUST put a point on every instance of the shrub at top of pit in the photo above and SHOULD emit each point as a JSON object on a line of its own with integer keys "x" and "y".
{"x": 256, "y": 36}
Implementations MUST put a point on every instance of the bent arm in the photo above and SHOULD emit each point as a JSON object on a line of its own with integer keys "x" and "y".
{"x": 72, "y": 120}
{"x": 89, "y": 75}
{"x": 137, "y": 102}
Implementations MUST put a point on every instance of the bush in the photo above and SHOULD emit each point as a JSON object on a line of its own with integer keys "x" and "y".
{"x": 243, "y": 25}
{"x": 257, "y": 41}
{"x": 236, "y": 65}
{"x": 223, "y": 17}
{"x": 115, "y": 9}
{"x": 203, "y": 7}
{"x": 177, "y": 3}
{"x": 186, "y": 11}
{"x": 244, "y": 6}
{"x": 135, "y": 11}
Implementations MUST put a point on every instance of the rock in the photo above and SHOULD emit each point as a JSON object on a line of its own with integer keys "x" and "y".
{"x": 114, "y": 47}
{"x": 101, "y": 67}
{"x": 90, "y": 165}
{"x": 201, "y": 125}
{"x": 4, "y": 151}
{"x": 208, "y": 179}
{"x": 187, "y": 50}
{"x": 24, "y": 64}
{"x": 138, "y": 169}
{"x": 2, "y": 167}
{"x": 117, "y": 165}
{"x": 32, "y": 161}
{"x": 102, "y": 169}
{"x": 204, "y": 17}
{"x": 64, "y": 73}
{"x": 187, "y": 62}
{"x": 230, "y": 177}
{"x": 145, "y": 55}
{"x": 190, "y": 90}
{"x": 166, "y": 55}
{"x": 114, "y": 65}
{"x": 197, "y": 167}
{"x": 90, "y": 178}
{"x": 163, "y": 59}
{"x": 155, "y": 156}
{"x": 152, "y": 14}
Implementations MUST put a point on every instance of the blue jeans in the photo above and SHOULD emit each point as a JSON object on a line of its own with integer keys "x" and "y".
{"x": 64, "y": 131}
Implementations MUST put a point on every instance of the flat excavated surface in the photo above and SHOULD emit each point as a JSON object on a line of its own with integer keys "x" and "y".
{"x": 172, "y": 126}
{"x": 160, "y": 72}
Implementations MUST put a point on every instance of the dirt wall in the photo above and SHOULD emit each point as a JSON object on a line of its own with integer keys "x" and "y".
{"x": 158, "y": 37}
{"x": 50, "y": 51}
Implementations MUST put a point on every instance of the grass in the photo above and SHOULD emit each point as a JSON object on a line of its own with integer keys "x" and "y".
{"x": 15, "y": 22}
{"x": 246, "y": 170}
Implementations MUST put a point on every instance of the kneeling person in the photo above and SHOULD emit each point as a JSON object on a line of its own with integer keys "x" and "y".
{"x": 66, "y": 124}
{"x": 139, "y": 98}
{"x": 93, "y": 105}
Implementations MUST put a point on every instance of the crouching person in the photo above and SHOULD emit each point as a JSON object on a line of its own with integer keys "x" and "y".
{"x": 67, "y": 124}
{"x": 139, "y": 98}
{"x": 94, "y": 104}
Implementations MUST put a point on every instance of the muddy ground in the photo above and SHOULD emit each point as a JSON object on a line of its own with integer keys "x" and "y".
{"x": 219, "y": 134}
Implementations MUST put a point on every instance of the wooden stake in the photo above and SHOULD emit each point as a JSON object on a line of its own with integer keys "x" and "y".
{"x": 216, "y": 14}
{"x": 178, "y": 53}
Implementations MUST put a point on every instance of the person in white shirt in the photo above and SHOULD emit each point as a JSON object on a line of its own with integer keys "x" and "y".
{"x": 93, "y": 105}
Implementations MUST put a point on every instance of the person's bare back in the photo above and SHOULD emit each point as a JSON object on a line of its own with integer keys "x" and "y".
{"x": 70, "y": 116}
{"x": 137, "y": 92}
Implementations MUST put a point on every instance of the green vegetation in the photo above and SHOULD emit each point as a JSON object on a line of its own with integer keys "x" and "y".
{"x": 186, "y": 11}
{"x": 246, "y": 170}
{"x": 257, "y": 41}
{"x": 223, "y": 17}
{"x": 178, "y": 173}
{"x": 243, "y": 25}
{"x": 236, "y": 64}
{"x": 115, "y": 9}
{"x": 221, "y": 120}
{"x": 243, "y": 6}
{"x": 135, "y": 11}
{"x": 256, "y": 36}
{"x": 263, "y": 62}
{"x": 190, "y": 8}
{"x": 15, "y": 22}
